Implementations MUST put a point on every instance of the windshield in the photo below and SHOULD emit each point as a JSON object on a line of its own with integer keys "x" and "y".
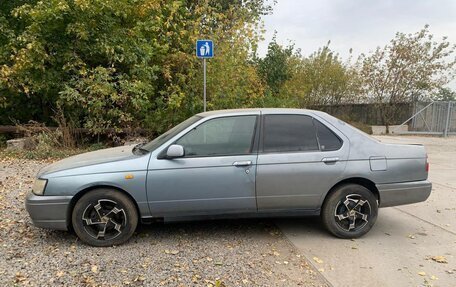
{"x": 158, "y": 141}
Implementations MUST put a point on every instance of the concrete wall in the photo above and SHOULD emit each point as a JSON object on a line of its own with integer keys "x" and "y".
{"x": 369, "y": 114}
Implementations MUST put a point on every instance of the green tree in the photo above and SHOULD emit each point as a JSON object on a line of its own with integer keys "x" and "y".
{"x": 274, "y": 68}
{"x": 10, "y": 103}
{"x": 322, "y": 79}
{"x": 123, "y": 63}
{"x": 410, "y": 68}
{"x": 445, "y": 94}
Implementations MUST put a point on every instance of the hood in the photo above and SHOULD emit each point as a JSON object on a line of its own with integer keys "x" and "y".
{"x": 90, "y": 158}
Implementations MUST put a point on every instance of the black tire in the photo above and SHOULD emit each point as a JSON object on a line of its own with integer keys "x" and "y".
{"x": 350, "y": 211}
{"x": 104, "y": 217}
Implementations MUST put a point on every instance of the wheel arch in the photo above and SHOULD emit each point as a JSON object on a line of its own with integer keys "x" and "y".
{"x": 370, "y": 185}
{"x": 86, "y": 190}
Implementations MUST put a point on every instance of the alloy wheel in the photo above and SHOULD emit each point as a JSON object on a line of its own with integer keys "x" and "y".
{"x": 104, "y": 220}
{"x": 352, "y": 213}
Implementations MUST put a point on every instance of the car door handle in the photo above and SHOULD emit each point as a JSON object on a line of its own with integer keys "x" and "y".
{"x": 242, "y": 163}
{"x": 330, "y": 159}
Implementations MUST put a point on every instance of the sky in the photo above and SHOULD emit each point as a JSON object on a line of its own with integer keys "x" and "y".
{"x": 358, "y": 24}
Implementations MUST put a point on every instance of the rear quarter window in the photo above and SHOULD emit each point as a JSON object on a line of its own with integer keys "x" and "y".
{"x": 327, "y": 139}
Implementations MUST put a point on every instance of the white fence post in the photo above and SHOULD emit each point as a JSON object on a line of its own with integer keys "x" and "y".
{"x": 447, "y": 122}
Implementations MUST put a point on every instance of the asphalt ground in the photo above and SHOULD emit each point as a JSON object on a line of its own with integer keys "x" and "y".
{"x": 410, "y": 245}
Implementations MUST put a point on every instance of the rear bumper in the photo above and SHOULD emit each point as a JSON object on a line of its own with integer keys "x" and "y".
{"x": 393, "y": 194}
{"x": 48, "y": 211}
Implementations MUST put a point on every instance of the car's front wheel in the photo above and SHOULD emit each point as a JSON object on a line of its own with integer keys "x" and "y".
{"x": 350, "y": 211}
{"x": 104, "y": 217}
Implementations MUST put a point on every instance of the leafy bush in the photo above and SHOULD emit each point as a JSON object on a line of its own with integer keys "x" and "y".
{"x": 96, "y": 146}
{"x": 3, "y": 140}
{"x": 124, "y": 64}
{"x": 361, "y": 126}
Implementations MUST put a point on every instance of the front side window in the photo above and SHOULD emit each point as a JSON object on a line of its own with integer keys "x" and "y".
{"x": 289, "y": 133}
{"x": 220, "y": 136}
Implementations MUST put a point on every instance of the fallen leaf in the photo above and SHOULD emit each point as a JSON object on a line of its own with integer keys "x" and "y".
{"x": 439, "y": 259}
{"x": 422, "y": 273}
{"x": 411, "y": 236}
{"x": 19, "y": 278}
{"x": 434, "y": 277}
{"x": 195, "y": 278}
{"x": 321, "y": 270}
{"x": 94, "y": 268}
{"x": 318, "y": 260}
{"x": 60, "y": 274}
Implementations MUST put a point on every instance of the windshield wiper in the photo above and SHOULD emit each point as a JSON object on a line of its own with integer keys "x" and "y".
{"x": 139, "y": 148}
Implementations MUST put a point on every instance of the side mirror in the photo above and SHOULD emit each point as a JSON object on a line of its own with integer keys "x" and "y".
{"x": 174, "y": 151}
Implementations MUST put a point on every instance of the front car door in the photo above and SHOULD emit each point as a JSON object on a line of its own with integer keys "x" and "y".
{"x": 300, "y": 159}
{"x": 217, "y": 173}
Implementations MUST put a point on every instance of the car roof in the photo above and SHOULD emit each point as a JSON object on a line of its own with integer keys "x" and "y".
{"x": 335, "y": 122}
{"x": 254, "y": 110}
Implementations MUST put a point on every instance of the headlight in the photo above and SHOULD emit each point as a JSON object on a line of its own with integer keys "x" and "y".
{"x": 39, "y": 186}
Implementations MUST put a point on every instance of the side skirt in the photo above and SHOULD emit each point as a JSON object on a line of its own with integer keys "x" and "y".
{"x": 260, "y": 214}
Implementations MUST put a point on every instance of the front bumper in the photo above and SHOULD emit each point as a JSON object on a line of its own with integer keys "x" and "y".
{"x": 48, "y": 211}
{"x": 393, "y": 194}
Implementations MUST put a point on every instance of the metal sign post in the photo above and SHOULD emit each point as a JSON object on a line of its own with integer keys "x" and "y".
{"x": 204, "y": 82}
{"x": 204, "y": 50}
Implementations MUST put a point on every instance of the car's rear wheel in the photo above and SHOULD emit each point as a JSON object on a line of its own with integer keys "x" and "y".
{"x": 350, "y": 211}
{"x": 104, "y": 217}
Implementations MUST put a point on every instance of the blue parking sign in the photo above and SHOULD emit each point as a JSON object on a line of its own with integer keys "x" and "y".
{"x": 204, "y": 49}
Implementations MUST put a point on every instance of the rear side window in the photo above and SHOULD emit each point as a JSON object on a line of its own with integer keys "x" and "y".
{"x": 284, "y": 133}
{"x": 326, "y": 138}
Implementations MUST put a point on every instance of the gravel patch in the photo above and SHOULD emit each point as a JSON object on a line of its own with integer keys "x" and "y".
{"x": 206, "y": 253}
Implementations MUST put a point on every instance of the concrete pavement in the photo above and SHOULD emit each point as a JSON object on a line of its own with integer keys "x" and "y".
{"x": 398, "y": 251}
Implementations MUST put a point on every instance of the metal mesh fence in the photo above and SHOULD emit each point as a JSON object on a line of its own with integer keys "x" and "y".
{"x": 434, "y": 118}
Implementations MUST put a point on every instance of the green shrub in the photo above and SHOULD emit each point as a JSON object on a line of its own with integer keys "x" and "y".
{"x": 3, "y": 140}
{"x": 362, "y": 126}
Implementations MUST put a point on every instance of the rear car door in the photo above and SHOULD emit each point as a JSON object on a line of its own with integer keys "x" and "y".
{"x": 300, "y": 159}
{"x": 216, "y": 175}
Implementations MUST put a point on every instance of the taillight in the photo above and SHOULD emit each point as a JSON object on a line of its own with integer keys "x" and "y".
{"x": 427, "y": 164}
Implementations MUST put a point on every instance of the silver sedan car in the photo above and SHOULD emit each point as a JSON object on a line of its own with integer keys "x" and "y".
{"x": 232, "y": 163}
